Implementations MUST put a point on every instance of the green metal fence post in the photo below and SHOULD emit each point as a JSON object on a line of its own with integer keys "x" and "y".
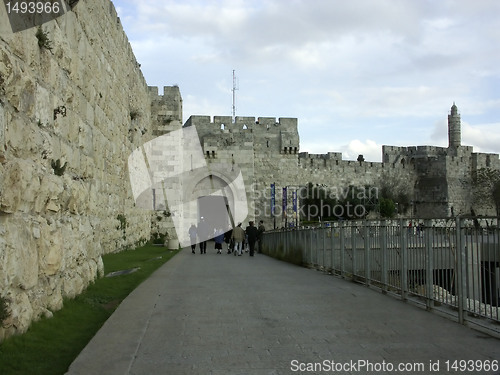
{"x": 383, "y": 249}
{"x": 342, "y": 248}
{"x": 429, "y": 264}
{"x": 366, "y": 232}
{"x": 461, "y": 253}
{"x": 404, "y": 260}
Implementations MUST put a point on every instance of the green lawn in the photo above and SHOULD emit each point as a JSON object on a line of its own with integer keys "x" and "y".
{"x": 50, "y": 345}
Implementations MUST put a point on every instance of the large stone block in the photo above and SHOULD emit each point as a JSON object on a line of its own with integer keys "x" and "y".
{"x": 50, "y": 249}
{"x": 43, "y": 105}
{"x": 58, "y": 226}
{"x": 20, "y": 254}
{"x": 51, "y": 187}
{"x": 19, "y": 186}
{"x": 21, "y": 311}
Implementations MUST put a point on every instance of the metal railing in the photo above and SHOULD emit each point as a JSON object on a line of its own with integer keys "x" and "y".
{"x": 448, "y": 264}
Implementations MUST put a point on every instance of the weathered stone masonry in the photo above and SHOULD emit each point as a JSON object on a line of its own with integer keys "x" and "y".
{"x": 71, "y": 116}
{"x": 440, "y": 181}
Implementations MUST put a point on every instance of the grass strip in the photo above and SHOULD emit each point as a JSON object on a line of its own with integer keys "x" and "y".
{"x": 51, "y": 344}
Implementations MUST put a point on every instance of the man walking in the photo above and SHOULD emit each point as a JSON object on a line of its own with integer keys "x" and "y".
{"x": 238, "y": 237}
{"x": 252, "y": 234}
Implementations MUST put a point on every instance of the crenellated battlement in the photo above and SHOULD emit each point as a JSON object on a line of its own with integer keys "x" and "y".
{"x": 332, "y": 161}
{"x": 242, "y": 123}
{"x": 166, "y": 109}
{"x": 328, "y": 155}
{"x": 437, "y": 178}
{"x": 266, "y": 133}
{"x": 484, "y": 160}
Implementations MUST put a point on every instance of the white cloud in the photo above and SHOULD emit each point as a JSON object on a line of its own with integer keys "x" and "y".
{"x": 370, "y": 150}
{"x": 439, "y": 135}
{"x": 384, "y": 70}
{"x": 484, "y": 137}
{"x": 201, "y": 106}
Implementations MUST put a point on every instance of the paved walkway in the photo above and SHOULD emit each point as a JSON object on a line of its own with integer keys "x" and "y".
{"x": 221, "y": 314}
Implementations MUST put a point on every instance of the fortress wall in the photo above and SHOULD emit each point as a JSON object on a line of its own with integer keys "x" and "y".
{"x": 276, "y": 161}
{"x": 484, "y": 160}
{"x": 166, "y": 109}
{"x": 434, "y": 178}
{"x": 257, "y": 146}
{"x": 324, "y": 172}
{"x": 278, "y": 168}
{"x": 459, "y": 172}
{"x": 485, "y": 171}
{"x": 85, "y": 105}
{"x": 226, "y": 143}
{"x": 431, "y": 187}
{"x": 259, "y": 127}
{"x": 459, "y": 169}
{"x": 351, "y": 172}
{"x": 396, "y": 154}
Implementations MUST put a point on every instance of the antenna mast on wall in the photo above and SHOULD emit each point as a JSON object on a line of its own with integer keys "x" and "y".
{"x": 234, "y": 96}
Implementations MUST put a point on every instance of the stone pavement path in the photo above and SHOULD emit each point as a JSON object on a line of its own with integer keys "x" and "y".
{"x": 221, "y": 314}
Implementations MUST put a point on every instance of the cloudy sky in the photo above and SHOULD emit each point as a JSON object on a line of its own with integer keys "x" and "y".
{"x": 357, "y": 74}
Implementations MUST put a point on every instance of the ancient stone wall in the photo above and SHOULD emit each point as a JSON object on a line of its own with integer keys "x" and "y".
{"x": 265, "y": 149}
{"x": 166, "y": 109}
{"x": 437, "y": 181}
{"x": 69, "y": 118}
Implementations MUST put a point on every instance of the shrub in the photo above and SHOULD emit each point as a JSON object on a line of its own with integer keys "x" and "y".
{"x": 43, "y": 39}
{"x": 57, "y": 167}
{"x": 4, "y": 310}
{"x": 134, "y": 114}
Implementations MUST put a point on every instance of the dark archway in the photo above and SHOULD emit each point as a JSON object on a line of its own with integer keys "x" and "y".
{"x": 216, "y": 213}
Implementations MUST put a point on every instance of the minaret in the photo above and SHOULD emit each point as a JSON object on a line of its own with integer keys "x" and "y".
{"x": 454, "y": 127}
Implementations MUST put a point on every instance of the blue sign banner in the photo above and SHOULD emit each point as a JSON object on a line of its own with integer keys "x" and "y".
{"x": 273, "y": 201}
{"x": 284, "y": 201}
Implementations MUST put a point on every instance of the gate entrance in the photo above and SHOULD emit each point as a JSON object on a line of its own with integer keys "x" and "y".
{"x": 216, "y": 213}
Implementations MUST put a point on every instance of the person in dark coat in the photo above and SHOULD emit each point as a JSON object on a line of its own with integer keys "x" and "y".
{"x": 252, "y": 234}
{"x": 219, "y": 239}
{"x": 229, "y": 241}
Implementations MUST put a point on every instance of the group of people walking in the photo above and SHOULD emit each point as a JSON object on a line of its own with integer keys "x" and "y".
{"x": 236, "y": 239}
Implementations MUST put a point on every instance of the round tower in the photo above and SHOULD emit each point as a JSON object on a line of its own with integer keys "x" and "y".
{"x": 454, "y": 127}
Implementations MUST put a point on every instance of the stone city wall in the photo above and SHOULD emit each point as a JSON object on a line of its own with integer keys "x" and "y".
{"x": 264, "y": 148}
{"x": 437, "y": 180}
{"x": 69, "y": 118}
{"x": 267, "y": 151}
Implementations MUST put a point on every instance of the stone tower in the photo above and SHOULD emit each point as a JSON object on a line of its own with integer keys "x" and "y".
{"x": 166, "y": 109}
{"x": 454, "y": 128}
